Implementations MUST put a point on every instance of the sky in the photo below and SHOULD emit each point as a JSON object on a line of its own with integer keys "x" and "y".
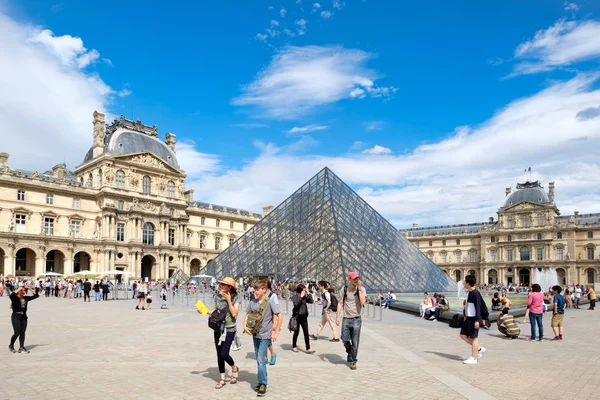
{"x": 428, "y": 110}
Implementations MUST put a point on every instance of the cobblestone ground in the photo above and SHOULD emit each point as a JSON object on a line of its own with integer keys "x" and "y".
{"x": 110, "y": 350}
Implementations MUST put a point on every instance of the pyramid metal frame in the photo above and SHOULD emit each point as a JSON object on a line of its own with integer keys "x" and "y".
{"x": 322, "y": 232}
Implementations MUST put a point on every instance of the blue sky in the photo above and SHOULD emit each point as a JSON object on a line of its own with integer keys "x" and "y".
{"x": 429, "y": 111}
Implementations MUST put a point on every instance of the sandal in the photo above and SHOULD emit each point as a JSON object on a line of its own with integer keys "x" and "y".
{"x": 310, "y": 351}
{"x": 295, "y": 349}
{"x": 220, "y": 385}
{"x": 234, "y": 375}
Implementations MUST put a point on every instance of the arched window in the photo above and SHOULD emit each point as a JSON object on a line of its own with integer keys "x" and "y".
{"x": 120, "y": 179}
{"x": 147, "y": 185}
{"x": 170, "y": 189}
{"x": 525, "y": 254}
{"x": 148, "y": 234}
{"x": 559, "y": 235}
{"x": 591, "y": 275}
{"x": 539, "y": 236}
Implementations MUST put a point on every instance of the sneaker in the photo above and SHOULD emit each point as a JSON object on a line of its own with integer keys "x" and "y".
{"x": 273, "y": 359}
{"x": 236, "y": 348}
{"x": 480, "y": 352}
{"x": 334, "y": 340}
{"x": 560, "y": 336}
{"x": 137, "y": 308}
{"x": 532, "y": 339}
{"x": 23, "y": 350}
{"x": 539, "y": 339}
{"x": 470, "y": 360}
{"x": 11, "y": 349}
{"x": 353, "y": 366}
{"x": 556, "y": 338}
{"x": 261, "y": 391}
{"x": 315, "y": 337}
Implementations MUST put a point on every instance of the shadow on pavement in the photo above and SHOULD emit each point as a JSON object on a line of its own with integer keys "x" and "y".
{"x": 448, "y": 356}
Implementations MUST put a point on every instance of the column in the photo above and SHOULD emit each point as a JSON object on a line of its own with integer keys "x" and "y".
{"x": 68, "y": 265}
{"x": 9, "y": 263}
{"x": 137, "y": 264}
{"x": 40, "y": 265}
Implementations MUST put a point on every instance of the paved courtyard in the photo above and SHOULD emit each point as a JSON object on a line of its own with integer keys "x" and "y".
{"x": 110, "y": 350}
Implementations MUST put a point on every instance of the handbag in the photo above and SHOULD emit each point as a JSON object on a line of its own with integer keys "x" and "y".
{"x": 293, "y": 324}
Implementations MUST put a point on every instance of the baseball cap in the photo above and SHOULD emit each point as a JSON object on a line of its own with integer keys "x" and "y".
{"x": 353, "y": 275}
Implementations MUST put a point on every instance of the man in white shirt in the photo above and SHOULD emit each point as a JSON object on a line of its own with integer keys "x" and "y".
{"x": 326, "y": 316}
{"x": 577, "y": 293}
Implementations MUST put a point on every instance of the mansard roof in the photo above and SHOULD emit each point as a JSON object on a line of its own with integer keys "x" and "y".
{"x": 447, "y": 229}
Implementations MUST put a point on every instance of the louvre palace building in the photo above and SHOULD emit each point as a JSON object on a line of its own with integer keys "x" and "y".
{"x": 124, "y": 207}
{"x": 529, "y": 240}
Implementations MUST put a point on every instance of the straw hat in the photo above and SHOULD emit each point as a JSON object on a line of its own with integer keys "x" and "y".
{"x": 228, "y": 281}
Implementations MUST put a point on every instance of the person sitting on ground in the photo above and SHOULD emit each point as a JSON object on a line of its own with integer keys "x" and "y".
{"x": 496, "y": 302}
{"x": 507, "y": 325}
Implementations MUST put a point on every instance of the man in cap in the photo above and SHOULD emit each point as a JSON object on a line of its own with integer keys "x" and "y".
{"x": 354, "y": 296}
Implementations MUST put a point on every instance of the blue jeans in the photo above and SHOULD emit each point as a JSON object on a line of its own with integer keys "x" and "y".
{"x": 351, "y": 337}
{"x": 260, "y": 351}
{"x": 533, "y": 319}
{"x": 98, "y": 296}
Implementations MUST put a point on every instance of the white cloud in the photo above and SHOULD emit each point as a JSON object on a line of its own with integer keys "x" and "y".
{"x": 565, "y": 43}
{"x": 288, "y": 32}
{"x": 377, "y": 150}
{"x": 261, "y": 36}
{"x": 250, "y": 126}
{"x": 301, "y": 26}
{"x": 68, "y": 49}
{"x": 358, "y": 93}
{"x": 356, "y": 146}
{"x": 316, "y": 7}
{"x": 374, "y": 125}
{"x": 460, "y": 178}
{"x": 338, "y": 4}
{"x": 282, "y": 12}
{"x": 571, "y": 6}
{"x": 307, "y": 128}
{"x": 124, "y": 92}
{"x": 326, "y": 14}
{"x": 193, "y": 162}
{"x": 302, "y": 78}
{"x": 274, "y": 22}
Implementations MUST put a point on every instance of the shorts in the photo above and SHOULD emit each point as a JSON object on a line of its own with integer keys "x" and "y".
{"x": 141, "y": 296}
{"x": 468, "y": 328}
{"x": 148, "y": 301}
{"x": 557, "y": 320}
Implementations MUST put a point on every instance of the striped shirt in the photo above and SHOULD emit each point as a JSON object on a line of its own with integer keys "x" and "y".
{"x": 508, "y": 321}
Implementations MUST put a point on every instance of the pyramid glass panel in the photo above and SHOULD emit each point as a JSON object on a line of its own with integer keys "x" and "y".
{"x": 324, "y": 231}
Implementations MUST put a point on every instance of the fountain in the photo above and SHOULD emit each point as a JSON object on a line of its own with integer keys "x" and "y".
{"x": 546, "y": 277}
{"x": 461, "y": 292}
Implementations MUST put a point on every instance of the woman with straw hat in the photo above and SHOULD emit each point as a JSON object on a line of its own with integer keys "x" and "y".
{"x": 226, "y": 297}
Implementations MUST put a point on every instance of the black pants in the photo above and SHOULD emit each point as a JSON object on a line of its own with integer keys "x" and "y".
{"x": 592, "y": 304}
{"x": 47, "y": 292}
{"x": 302, "y": 323}
{"x": 86, "y": 295}
{"x": 223, "y": 350}
{"x": 105, "y": 296}
{"x": 19, "y": 323}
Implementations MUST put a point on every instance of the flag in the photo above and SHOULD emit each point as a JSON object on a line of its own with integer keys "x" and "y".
{"x": 527, "y": 169}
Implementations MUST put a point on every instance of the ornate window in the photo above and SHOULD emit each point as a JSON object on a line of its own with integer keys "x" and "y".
{"x": 539, "y": 236}
{"x": 457, "y": 257}
{"x": 525, "y": 253}
{"x": 540, "y": 220}
{"x": 147, "y": 185}
{"x": 21, "y": 195}
{"x": 148, "y": 234}
{"x": 218, "y": 223}
{"x": 202, "y": 221}
{"x": 20, "y": 223}
{"x": 170, "y": 189}
{"x": 591, "y": 275}
{"x": 120, "y": 232}
{"x": 472, "y": 256}
{"x": 458, "y": 242}
{"x": 590, "y": 253}
{"x": 49, "y": 199}
{"x": 510, "y": 222}
{"x": 509, "y": 238}
{"x": 202, "y": 241}
{"x": 559, "y": 235}
{"x": 172, "y": 237}
{"x": 559, "y": 254}
{"x": 540, "y": 253}
{"x": 120, "y": 179}
{"x": 217, "y": 242}
{"x": 590, "y": 235}
{"x": 493, "y": 255}
{"x": 430, "y": 243}
{"x": 245, "y": 226}
{"x": 509, "y": 255}
{"x": 75, "y": 229}
{"x": 231, "y": 225}
{"x": 443, "y": 242}
{"x": 525, "y": 221}
{"x": 76, "y": 203}
{"x": 120, "y": 205}
{"x": 493, "y": 239}
{"x": 49, "y": 226}
{"x": 231, "y": 240}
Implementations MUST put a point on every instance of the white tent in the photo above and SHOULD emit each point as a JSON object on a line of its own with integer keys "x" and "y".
{"x": 114, "y": 272}
{"x": 51, "y": 274}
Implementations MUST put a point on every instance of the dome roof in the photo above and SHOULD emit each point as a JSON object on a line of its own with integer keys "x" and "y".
{"x": 532, "y": 192}
{"x": 127, "y": 142}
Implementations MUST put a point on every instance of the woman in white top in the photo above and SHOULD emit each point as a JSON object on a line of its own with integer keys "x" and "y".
{"x": 142, "y": 288}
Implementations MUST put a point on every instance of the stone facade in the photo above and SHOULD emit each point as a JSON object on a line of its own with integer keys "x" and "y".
{"x": 125, "y": 207}
{"x": 528, "y": 240}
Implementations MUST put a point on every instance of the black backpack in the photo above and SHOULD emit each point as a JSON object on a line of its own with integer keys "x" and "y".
{"x": 456, "y": 321}
{"x": 485, "y": 313}
{"x": 217, "y": 318}
{"x": 334, "y": 301}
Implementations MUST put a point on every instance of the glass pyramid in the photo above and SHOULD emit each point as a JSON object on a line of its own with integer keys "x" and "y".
{"x": 324, "y": 231}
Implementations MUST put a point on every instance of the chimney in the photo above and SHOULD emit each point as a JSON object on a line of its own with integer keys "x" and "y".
{"x": 170, "y": 140}
{"x": 491, "y": 220}
{"x": 507, "y": 191}
{"x": 551, "y": 192}
{"x": 58, "y": 171}
{"x": 3, "y": 161}
{"x": 415, "y": 226}
{"x": 576, "y": 213}
{"x": 189, "y": 195}
{"x": 98, "y": 147}
{"x": 267, "y": 210}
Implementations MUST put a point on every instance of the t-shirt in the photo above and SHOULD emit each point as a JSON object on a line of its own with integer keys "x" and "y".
{"x": 352, "y": 306}
{"x": 577, "y": 293}
{"x": 230, "y": 322}
{"x": 266, "y": 328}
{"x": 326, "y": 296}
{"x": 508, "y": 321}
{"x": 473, "y": 306}
{"x": 560, "y": 303}
{"x": 592, "y": 294}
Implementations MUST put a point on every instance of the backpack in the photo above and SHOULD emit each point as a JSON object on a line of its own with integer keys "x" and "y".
{"x": 255, "y": 317}
{"x": 217, "y": 318}
{"x": 344, "y": 296}
{"x": 334, "y": 302}
{"x": 456, "y": 321}
{"x": 485, "y": 314}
